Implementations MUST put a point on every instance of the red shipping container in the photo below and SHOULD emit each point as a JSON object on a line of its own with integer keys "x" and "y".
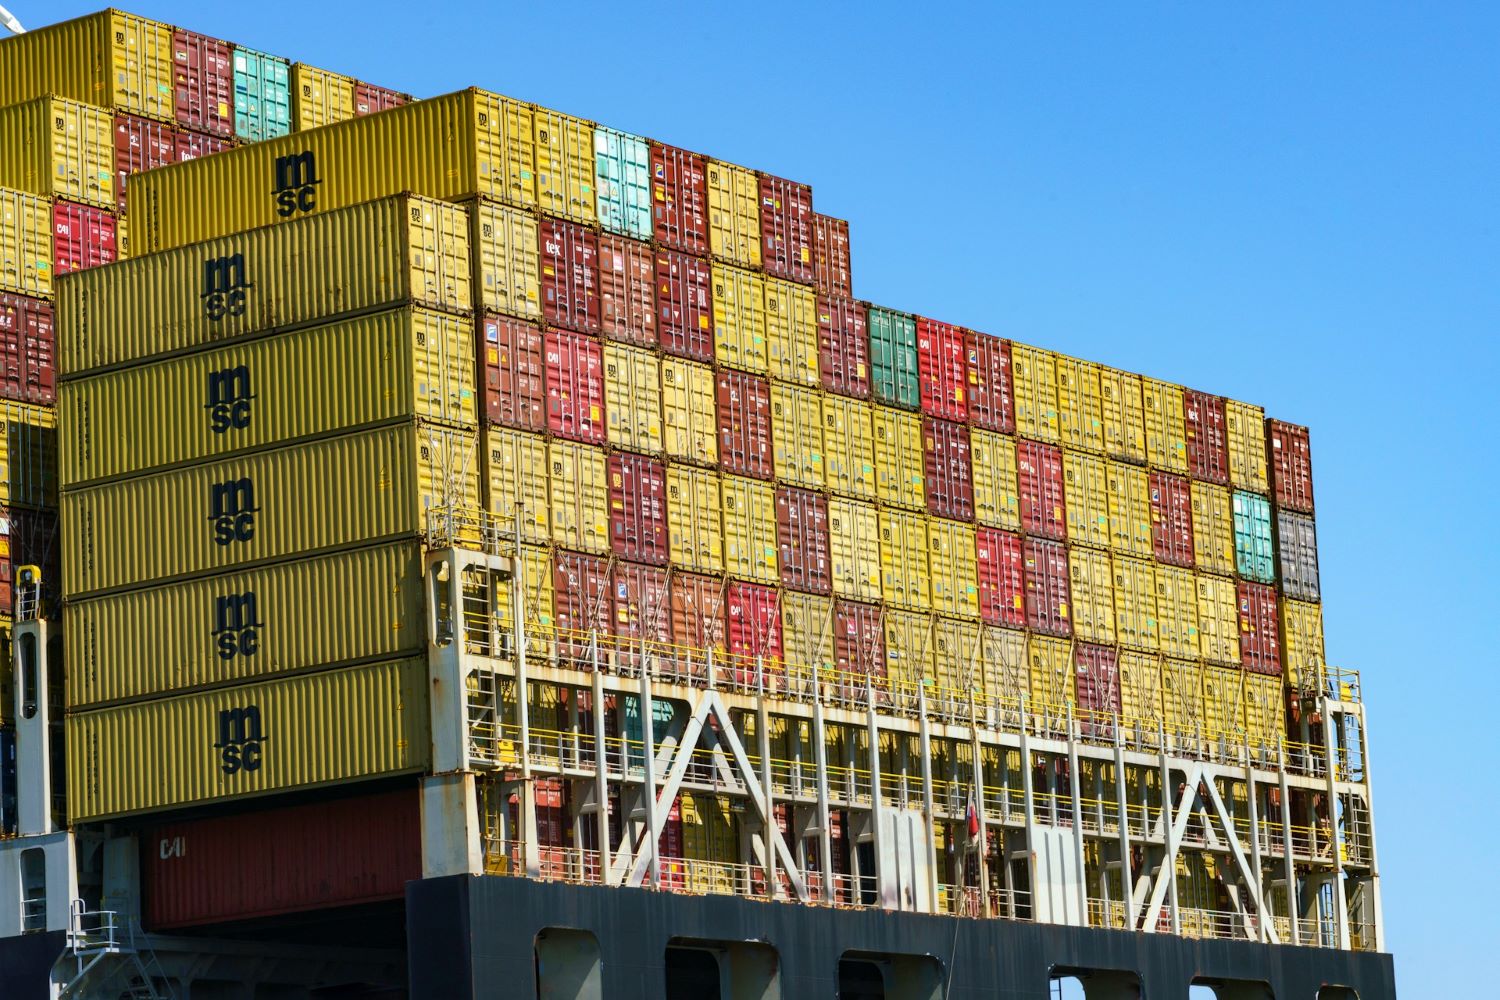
{"x": 1098, "y": 688}
{"x": 679, "y": 198}
{"x": 950, "y": 476}
{"x": 858, "y": 639}
{"x": 27, "y": 345}
{"x": 369, "y": 98}
{"x": 744, "y": 425}
{"x": 1172, "y": 519}
{"x": 570, "y": 275}
{"x": 1290, "y": 462}
{"x": 843, "y": 347}
{"x": 1207, "y": 441}
{"x": 191, "y": 145}
{"x": 802, "y": 539}
{"x": 627, "y": 297}
{"x": 82, "y": 237}
{"x": 786, "y": 224}
{"x": 1260, "y": 631}
{"x": 140, "y": 144}
{"x": 270, "y": 862}
{"x": 554, "y": 825}
{"x": 515, "y": 380}
{"x": 754, "y": 633}
{"x": 941, "y": 370}
{"x": 29, "y": 538}
{"x": 575, "y": 386}
{"x": 831, "y": 264}
{"x": 203, "y": 78}
{"x": 581, "y": 597}
{"x": 991, "y": 395}
{"x": 638, "y": 508}
{"x": 1039, "y": 481}
{"x": 1048, "y": 603}
{"x": 1002, "y": 585}
{"x": 685, "y": 313}
{"x": 642, "y": 609}
{"x": 698, "y": 621}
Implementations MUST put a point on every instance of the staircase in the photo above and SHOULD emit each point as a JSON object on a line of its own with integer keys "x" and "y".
{"x": 108, "y": 959}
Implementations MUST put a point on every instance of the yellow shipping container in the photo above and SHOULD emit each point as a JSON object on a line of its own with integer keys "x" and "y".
{"x": 1302, "y": 653}
{"x": 997, "y": 502}
{"x": 564, "y": 165}
{"x": 792, "y": 332}
{"x": 695, "y": 529}
{"x": 28, "y": 455}
{"x": 348, "y": 607}
{"x": 1177, "y": 612}
{"x": 854, "y": 549}
{"x": 273, "y": 390}
{"x": 1140, "y": 691}
{"x": 515, "y": 482}
{"x": 1265, "y": 712}
{"x": 1182, "y": 696}
{"x": 908, "y": 652}
{"x": 1246, "y": 432}
{"x": 1213, "y": 529}
{"x": 899, "y": 462}
{"x": 1223, "y": 702}
{"x": 739, "y": 299}
{"x": 632, "y": 399}
{"x": 578, "y": 485}
{"x": 464, "y": 145}
{"x": 690, "y": 424}
{"x": 1093, "y": 592}
{"x": 958, "y": 670}
{"x": 797, "y": 435}
{"x": 750, "y": 529}
{"x": 1129, "y": 495}
{"x": 1166, "y": 431}
{"x": 383, "y": 254}
{"x": 1051, "y": 672}
{"x": 1080, "y": 408}
{"x": 1124, "y": 415}
{"x": 1034, "y": 372}
{"x": 110, "y": 60}
{"x": 26, "y": 245}
{"x": 537, "y": 593}
{"x": 506, "y": 260}
{"x": 903, "y": 560}
{"x": 1218, "y": 619}
{"x": 807, "y": 632}
{"x": 733, "y": 213}
{"x": 954, "y": 576}
{"x": 1086, "y": 493}
{"x": 848, "y": 446}
{"x": 58, "y": 148}
{"x": 319, "y": 97}
{"x": 1135, "y": 604}
{"x": 1003, "y": 660}
{"x": 234, "y": 743}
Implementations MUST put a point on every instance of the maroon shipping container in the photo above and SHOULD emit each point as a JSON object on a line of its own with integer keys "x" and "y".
{"x": 570, "y": 275}
{"x": 28, "y": 538}
{"x": 369, "y": 98}
{"x": 802, "y": 540}
{"x": 950, "y": 476}
{"x": 575, "y": 386}
{"x": 638, "y": 508}
{"x": 515, "y": 380}
{"x": 627, "y": 296}
{"x": 684, "y": 308}
{"x": 1260, "y": 632}
{"x": 1290, "y": 463}
{"x": 203, "y": 78}
{"x": 1002, "y": 585}
{"x": 1207, "y": 443}
{"x": 1039, "y": 481}
{"x": 140, "y": 144}
{"x": 991, "y": 395}
{"x": 679, "y": 198}
{"x": 1048, "y": 603}
{"x": 753, "y": 615}
{"x": 786, "y": 224}
{"x": 698, "y": 620}
{"x": 858, "y": 638}
{"x": 82, "y": 237}
{"x": 744, "y": 425}
{"x": 276, "y": 861}
{"x": 1098, "y": 687}
{"x": 1172, "y": 519}
{"x": 191, "y": 145}
{"x": 27, "y": 345}
{"x": 642, "y": 609}
{"x": 831, "y": 264}
{"x": 582, "y": 599}
{"x": 554, "y": 825}
{"x": 843, "y": 347}
{"x": 940, "y": 365}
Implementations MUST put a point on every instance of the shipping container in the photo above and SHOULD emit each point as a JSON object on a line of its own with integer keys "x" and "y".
{"x": 1177, "y": 612}
{"x": 1213, "y": 529}
{"x": 347, "y": 607}
{"x": 622, "y": 171}
{"x": 1223, "y": 703}
{"x": 1140, "y": 692}
{"x": 1207, "y": 441}
{"x": 25, "y": 244}
{"x": 733, "y": 213}
{"x": 900, "y": 465}
{"x": 990, "y": 393}
{"x": 1092, "y": 588}
{"x": 750, "y": 529}
{"x": 958, "y": 670}
{"x": 1172, "y": 519}
{"x": 28, "y": 455}
{"x": 690, "y": 412}
{"x": 1245, "y": 430}
{"x": 942, "y": 372}
{"x": 514, "y": 379}
{"x": 904, "y": 581}
{"x": 1136, "y": 622}
{"x": 949, "y": 476}
{"x": 339, "y": 852}
{"x": 1084, "y": 489}
{"x": 797, "y": 435}
{"x": 564, "y": 165}
{"x": 1291, "y": 465}
{"x": 849, "y": 447}
{"x": 698, "y": 619}
{"x": 582, "y": 598}
{"x": 139, "y": 144}
{"x": 110, "y": 59}
{"x": 191, "y": 145}
{"x": 627, "y": 291}
{"x": 1265, "y": 717}
{"x": 786, "y": 228}
{"x": 753, "y": 632}
{"x": 997, "y": 501}
{"x": 1302, "y": 645}
{"x": 1166, "y": 433}
{"x": 802, "y": 539}
{"x": 1002, "y": 585}
{"x": 695, "y": 529}
{"x": 679, "y": 198}
{"x": 638, "y": 508}
{"x": 1124, "y": 415}
{"x": 203, "y": 83}
{"x": 1129, "y": 492}
{"x": 1039, "y": 482}
{"x": 739, "y": 319}
{"x": 908, "y": 652}
{"x": 1219, "y": 619}
{"x": 1182, "y": 697}
{"x": 893, "y": 358}
{"x": 1080, "y": 407}
{"x": 1048, "y": 603}
{"x": 641, "y": 610}
{"x": 843, "y": 347}
{"x": 1007, "y": 674}
{"x": 854, "y": 549}
{"x": 744, "y": 414}
{"x": 1051, "y": 674}
{"x": 83, "y": 236}
{"x": 238, "y": 742}
{"x": 515, "y": 482}
{"x": 569, "y": 256}
{"x": 831, "y": 261}
{"x": 319, "y": 97}
{"x": 28, "y": 538}
{"x": 1254, "y": 554}
{"x": 262, "y": 95}
{"x": 807, "y": 633}
{"x": 684, "y": 305}
{"x": 791, "y": 319}
{"x": 270, "y": 391}
{"x": 1296, "y": 547}
{"x": 1097, "y": 685}
{"x": 578, "y": 486}
{"x": 858, "y": 642}
{"x": 632, "y": 398}
{"x": 1260, "y": 628}
{"x": 507, "y": 261}
{"x": 27, "y": 350}
{"x": 57, "y": 148}
{"x": 369, "y": 99}
{"x": 954, "y": 577}
{"x": 575, "y": 386}
{"x": 1034, "y": 374}
{"x": 535, "y": 571}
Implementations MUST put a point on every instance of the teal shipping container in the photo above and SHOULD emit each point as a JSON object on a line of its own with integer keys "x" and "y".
{"x": 893, "y": 359}
{"x": 1254, "y": 555}
{"x": 262, "y": 96}
{"x": 622, "y": 169}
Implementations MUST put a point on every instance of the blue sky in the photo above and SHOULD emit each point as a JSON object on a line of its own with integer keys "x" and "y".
{"x": 1293, "y": 204}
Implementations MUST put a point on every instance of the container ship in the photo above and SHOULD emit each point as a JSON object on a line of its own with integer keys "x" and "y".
{"x": 454, "y": 548}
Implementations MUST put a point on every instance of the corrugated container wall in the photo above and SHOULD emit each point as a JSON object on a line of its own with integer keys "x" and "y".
{"x": 950, "y": 481}
{"x": 140, "y": 144}
{"x": 992, "y": 404}
{"x": 802, "y": 537}
{"x": 1297, "y": 549}
{"x": 514, "y": 386}
{"x": 690, "y": 414}
{"x": 684, "y": 305}
{"x": 893, "y": 358}
{"x": 1124, "y": 416}
{"x": 507, "y": 259}
{"x": 262, "y": 95}
{"x": 1260, "y": 628}
{"x": 679, "y": 199}
{"x": 831, "y": 257}
{"x": 319, "y": 97}
{"x": 575, "y": 386}
{"x": 1035, "y": 375}
{"x": 27, "y": 349}
{"x": 997, "y": 501}
{"x": 941, "y": 370}
{"x": 28, "y": 455}
{"x": 843, "y": 347}
{"x": 110, "y": 59}
{"x": 854, "y": 545}
{"x": 1245, "y": 426}
{"x": 58, "y": 148}
{"x": 1039, "y": 481}
{"x": 26, "y": 266}
{"x": 203, "y": 83}
{"x": 564, "y": 165}
{"x": 1166, "y": 434}
{"x": 1291, "y": 465}
{"x": 733, "y": 213}
{"x": 83, "y": 236}
{"x": 1002, "y": 585}
{"x": 1207, "y": 442}
{"x": 1048, "y": 604}
{"x": 627, "y": 291}
{"x": 622, "y": 174}
{"x": 1080, "y": 409}
{"x": 744, "y": 413}
{"x": 579, "y": 496}
{"x": 786, "y": 226}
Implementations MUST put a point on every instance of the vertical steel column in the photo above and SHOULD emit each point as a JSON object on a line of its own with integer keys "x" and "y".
{"x": 1169, "y": 816}
{"x": 768, "y": 837}
{"x": 984, "y": 823}
{"x": 1077, "y": 799}
{"x": 1127, "y": 876}
{"x": 877, "y": 803}
{"x": 1330, "y": 758}
{"x": 601, "y": 777}
{"x": 1289, "y": 865}
{"x": 825, "y": 837}
{"x": 523, "y": 708}
{"x": 1029, "y": 807}
{"x": 1259, "y": 887}
{"x": 648, "y": 754}
{"x": 924, "y": 736}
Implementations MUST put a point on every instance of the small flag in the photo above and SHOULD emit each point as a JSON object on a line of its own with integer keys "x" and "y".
{"x": 973, "y": 817}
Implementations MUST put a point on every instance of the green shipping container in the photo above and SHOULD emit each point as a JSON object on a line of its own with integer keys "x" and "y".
{"x": 1254, "y": 556}
{"x": 262, "y": 96}
{"x": 893, "y": 358}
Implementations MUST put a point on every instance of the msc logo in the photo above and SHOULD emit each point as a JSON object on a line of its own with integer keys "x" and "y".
{"x": 296, "y": 183}
{"x": 224, "y": 287}
{"x": 231, "y": 511}
{"x": 229, "y": 399}
{"x": 241, "y": 741}
{"x": 237, "y": 625}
